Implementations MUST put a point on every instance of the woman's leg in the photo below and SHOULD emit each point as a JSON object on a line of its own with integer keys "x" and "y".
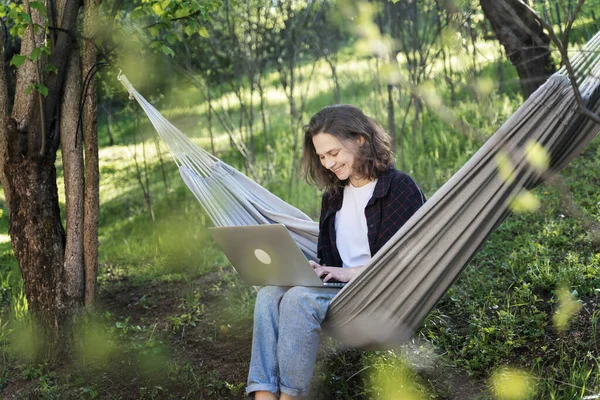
{"x": 301, "y": 311}
{"x": 264, "y": 369}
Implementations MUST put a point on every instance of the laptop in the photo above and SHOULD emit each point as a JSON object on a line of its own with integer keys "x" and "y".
{"x": 267, "y": 255}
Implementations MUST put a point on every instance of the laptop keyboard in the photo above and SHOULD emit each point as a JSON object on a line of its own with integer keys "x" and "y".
{"x": 334, "y": 284}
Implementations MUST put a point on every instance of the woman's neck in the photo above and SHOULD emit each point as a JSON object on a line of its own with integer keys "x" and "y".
{"x": 359, "y": 182}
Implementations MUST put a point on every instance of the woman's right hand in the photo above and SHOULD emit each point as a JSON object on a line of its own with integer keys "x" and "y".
{"x": 336, "y": 273}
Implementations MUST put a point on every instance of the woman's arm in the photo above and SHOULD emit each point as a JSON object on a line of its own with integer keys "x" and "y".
{"x": 336, "y": 273}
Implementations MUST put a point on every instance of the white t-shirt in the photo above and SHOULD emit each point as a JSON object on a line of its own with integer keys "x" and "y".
{"x": 351, "y": 225}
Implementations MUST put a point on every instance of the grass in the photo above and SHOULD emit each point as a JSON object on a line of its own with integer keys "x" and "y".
{"x": 168, "y": 297}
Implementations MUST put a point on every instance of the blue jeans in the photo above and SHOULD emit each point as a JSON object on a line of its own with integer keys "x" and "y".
{"x": 287, "y": 326}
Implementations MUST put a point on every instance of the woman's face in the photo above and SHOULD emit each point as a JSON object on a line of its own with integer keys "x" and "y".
{"x": 335, "y": 156}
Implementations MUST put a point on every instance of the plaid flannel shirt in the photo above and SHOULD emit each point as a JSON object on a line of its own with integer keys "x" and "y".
{"x": 395, "y": 199}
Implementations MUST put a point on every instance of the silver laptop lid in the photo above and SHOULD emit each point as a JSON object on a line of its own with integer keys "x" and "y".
{"x": 266, "y": 255}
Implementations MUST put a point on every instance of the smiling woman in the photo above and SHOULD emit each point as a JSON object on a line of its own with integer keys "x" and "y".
{"x": 366, "y": 201}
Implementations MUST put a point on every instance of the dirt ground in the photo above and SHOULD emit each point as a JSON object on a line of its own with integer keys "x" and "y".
{"x": 209, "y": 349}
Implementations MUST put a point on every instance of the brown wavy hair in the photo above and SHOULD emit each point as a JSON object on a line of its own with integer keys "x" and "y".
{"x": 347, "y": 123}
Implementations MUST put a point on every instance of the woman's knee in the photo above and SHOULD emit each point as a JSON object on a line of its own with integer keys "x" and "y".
{"x": 269, "y": 297}
{"x": 309, "y": 300}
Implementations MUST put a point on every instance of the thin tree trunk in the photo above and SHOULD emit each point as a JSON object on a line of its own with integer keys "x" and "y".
{"x": 337, "y": 95}
{"x": 107, "y": 110}
{"x": 500, "y": 73}
{"x": 415, "y": 126}
{"x": 142, "y": 180}
{"x": 265, "y": 128}
{"x": 147, "y": 180}
{"x": 391, "y": 118}
{"x": 251, "y": 122}
{"x": 473, "y": 36}
{"x": 163, "y": 170}
{"x": 403, "y": 132}
{"x": 558, "y": 21}
{"x": 92, "y": 172}
{"x": 23, "y": 102}
{"x": 210, "y": 130}
{"x": 71, "y": 141}
{"x": 5, "y": 121}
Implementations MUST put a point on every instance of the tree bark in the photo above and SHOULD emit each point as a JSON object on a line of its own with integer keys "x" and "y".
{"x": 523, "y": 38}
{"x": 24, "y": 104}
{"x": 4, "y": 123}
{"x": 72, "y": 155}
{"x": 92, "y": 172}
{"x": 38, "y": 241}
{"x": 71, "y": 141}
{"x": 28, "y": 155}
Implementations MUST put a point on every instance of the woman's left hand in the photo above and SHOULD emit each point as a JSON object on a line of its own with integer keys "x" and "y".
{"x": 336, "y": 273}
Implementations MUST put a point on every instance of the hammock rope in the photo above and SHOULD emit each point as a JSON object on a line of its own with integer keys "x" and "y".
{"x": 386, "y": 303}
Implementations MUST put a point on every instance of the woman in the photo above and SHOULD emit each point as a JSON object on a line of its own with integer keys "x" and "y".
{"x": 366, "y": 201}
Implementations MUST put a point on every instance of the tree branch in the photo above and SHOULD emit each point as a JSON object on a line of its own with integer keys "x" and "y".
{"x": 565, "y": 39}
{"x": 565, "y": 58}
{"x": 40, "y": 97}
{"x": 192, "y": 15}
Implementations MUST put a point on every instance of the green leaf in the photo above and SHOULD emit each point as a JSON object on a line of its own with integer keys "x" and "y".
{"x": 171, "y": 38}
{"x": 26, "y": 18}
{"x": 157, "y": 9}
{"x": 50, "y": 68}
{"x": 18, "y": 60}
{"x": 42, "y": 89}
{"x": 189, "y": 30}
{"x": 3, "y": 11}
{"x": 167, "y": 50}
{"x": 38, "y": 5}
{"x": 29, "y": 88}
{"x": 35, "y": 54}
{"x": 137, "y": 13}
{"x": 202, "y": 31}
{"x": 46, "y": 50}
{"x": 154, "y": 31}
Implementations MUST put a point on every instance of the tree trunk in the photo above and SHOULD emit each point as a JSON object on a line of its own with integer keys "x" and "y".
{"x": 261, "y": 94}
{"x": 337, "y": 94}
{"x": 523, "y": 38}
{"x": 71, "y": 141}
{"x": 38, "y": 241}
{"x": 210, "y": 129}
{"x": 109, "y": 129}
{"x": 391, "y": 118}
{"x": 92, "y": 172}
{"x": 28, "y": 156}
{"x": 4, "y": 123}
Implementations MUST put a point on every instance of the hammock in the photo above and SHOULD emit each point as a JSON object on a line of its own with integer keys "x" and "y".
{"x": 386, "y": 303}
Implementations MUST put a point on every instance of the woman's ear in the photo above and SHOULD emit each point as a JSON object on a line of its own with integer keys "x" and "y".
{"x": 361, "y": 140}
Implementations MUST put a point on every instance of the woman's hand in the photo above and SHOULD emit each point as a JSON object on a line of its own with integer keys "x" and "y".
{"x": 336, "y": 273}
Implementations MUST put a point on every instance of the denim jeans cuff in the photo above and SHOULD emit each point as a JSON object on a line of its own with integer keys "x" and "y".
{"x": 294, "y": 392}
{"x": 256, "y": 387}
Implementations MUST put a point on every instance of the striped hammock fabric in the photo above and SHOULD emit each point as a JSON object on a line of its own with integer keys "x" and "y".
{"x": 386, "y": 303}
